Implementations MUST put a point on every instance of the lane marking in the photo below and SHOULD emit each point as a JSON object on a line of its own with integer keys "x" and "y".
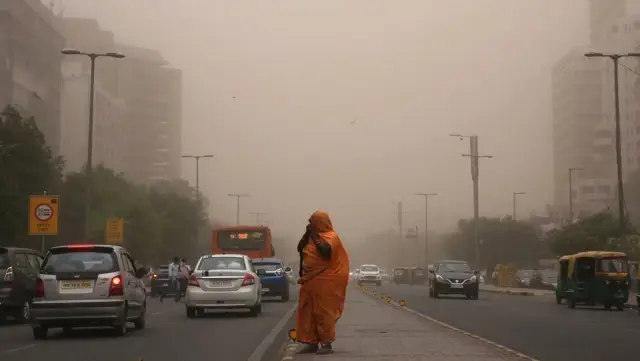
{"x": 156, "y": 313}
{"x": 469, "y": 334}
{"x": 259, "y": 352}
{"x": 21, "y": 348}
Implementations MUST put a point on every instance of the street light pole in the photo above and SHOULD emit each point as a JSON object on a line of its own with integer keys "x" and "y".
{"x": 515, "y": 194}
{"x": 258, "y": 214}
{"x": 616, "y": 92}
{"x": 426, "y": 225}
{"x": 238, "y": 196}
{"x": 197, "y": 158}
{"x": 92, "y": 83}
{"x": 571, "y": 192}
{"x": 475, "y": 168}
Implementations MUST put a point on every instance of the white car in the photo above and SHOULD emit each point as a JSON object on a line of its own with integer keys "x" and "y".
{"x": 223, "y": 281}
{"x": 369, "y": 274}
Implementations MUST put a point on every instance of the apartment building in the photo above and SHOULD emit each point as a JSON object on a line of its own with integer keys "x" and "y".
{"x": 153, "y": 121}
{"x": 30, "y": 61}
{"x": 582, "y": 137}
{"x": 109, "y": 110}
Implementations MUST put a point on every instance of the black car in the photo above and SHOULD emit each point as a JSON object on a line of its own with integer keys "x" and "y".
{"x": 160, "y": 282}
{"x": 453, "y": 278}
{"x": 19, "y": 268}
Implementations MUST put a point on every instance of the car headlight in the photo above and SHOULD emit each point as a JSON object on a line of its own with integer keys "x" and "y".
{"x": 439, "y": 278}
{"x": 278, "y": 272}
{"x": 473, "y": 279}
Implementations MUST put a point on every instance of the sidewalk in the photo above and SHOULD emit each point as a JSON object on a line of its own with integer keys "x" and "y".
{"x": 372, "y": 330}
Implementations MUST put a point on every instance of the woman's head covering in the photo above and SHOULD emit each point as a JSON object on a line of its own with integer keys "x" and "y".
{"x": 321, "y": 222}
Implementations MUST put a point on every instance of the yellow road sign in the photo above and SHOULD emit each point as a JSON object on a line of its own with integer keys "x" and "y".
{"x": 114, "y": 231}
{"x": 44, "y": 215}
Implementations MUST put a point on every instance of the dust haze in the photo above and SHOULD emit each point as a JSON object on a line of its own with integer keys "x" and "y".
{"x": 347, "y": 105}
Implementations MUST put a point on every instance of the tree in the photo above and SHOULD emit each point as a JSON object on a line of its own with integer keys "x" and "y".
{"x": 27, "y": 167}
{"x": 503, "y": 240}
{"x": 599, "y": 232}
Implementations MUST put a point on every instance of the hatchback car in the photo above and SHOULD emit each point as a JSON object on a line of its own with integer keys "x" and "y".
{"x": 273, "y": 276}
{"x": 223, "y": 281}
{"x": 88, "y": 285}
{"x": 453, "y": 278}
{"x": 159, "y": 283}
{"x": 369, "y": 274}
{"x": 19, "y": 269}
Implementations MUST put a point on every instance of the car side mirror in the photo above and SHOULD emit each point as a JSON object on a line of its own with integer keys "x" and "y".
{"x": 261, "y": 272}
{"x": 287, "y": 269}
{"x": 476, "y": 272}
{"x": 141, "y": 272}
{"x": 431, "y": 270}
{"x": 190, "y": 272}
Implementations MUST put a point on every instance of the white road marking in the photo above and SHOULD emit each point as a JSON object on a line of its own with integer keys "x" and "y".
{"x": 258, "y": 353}
{"x": 21, "y": 348}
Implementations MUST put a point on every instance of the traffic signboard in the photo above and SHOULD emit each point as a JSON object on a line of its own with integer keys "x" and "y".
{"x": 43, "y": 215}
{"x": 114, "y": 231}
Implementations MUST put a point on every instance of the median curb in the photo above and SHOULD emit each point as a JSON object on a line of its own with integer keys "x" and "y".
{"x": 513, "y": 293}
{"x": 289, "y": 351}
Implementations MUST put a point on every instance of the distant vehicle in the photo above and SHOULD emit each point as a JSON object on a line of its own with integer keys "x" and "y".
{"x": 401, "y": 276}
{"x": 223, "y": 281}
{"x": 453, "y": 277}
{"x": 369, "y": 274}
{"x": 88, "y": 285}
{"x": 160, "y": 282}
{"x": 273, "y": 275}
{"x": 252, "y": 241}
{"x": 523, "y": 278}
{"x": 19, "y": 268}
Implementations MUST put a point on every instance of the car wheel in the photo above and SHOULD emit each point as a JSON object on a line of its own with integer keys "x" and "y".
{"x": 558, "y": 300}
{"x": 40, "y": 332}
{"x": 435, "y": 293}
{"x": 120, "y": 329}
{"x": 430, "y": 292}
{"x": 141, "y": 321}
{"x": 24, "y": 313}
{"x": 256, "y": 310}
{"x": 191, "y": 312}
{"x": 474, "y": 296}
{"x": 620, "y": 306}
{"x": 571, "y": 303}
{"x": 285, "y": 296}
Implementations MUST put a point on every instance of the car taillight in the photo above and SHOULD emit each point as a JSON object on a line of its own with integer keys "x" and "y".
{"x": 155, "y": 275}
{"x": 116, "y": 288}
{"x": 8, "y": 277}
{"x": 39, "y": 288}
{"x": 193, "y": 281}
{"x": 248, "y": 280}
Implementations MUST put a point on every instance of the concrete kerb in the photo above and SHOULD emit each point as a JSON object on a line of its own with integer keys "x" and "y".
{"x": 513, "y": 293}
{"x": 401, "y": 305}
{"x": 290, "y": 351}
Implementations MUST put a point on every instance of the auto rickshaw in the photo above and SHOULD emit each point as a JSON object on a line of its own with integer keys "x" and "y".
{"x": 598, "y": 278}
{"x": 401, "y": 276}
{"x": 418, "y": 276}
{"x": 563, "y": 271}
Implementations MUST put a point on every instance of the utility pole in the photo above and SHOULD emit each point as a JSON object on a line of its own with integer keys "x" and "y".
{"x": 616, "y": 93}
{"x": 400, "y": 222}
{"x": 92, "y": 85}
{"x": 571, "y": 170}
{"x": 515, "y": 194}
{"x": 238, "y": 196}
{"x": 426, "y": 225}
{"x": 475, "y": 168}
{"x": 197, "y": 158}
{"x": 258, "y": 214}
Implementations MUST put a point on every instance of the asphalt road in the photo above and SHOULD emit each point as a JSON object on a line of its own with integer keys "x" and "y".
{"x": 169, "y": 336}
{"x": 533, "y": 325}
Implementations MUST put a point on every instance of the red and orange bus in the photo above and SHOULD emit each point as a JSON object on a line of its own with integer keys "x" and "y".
{"x": 253, "y": 241}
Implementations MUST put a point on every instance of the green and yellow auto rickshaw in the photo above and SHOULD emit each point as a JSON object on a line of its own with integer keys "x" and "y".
{"x": 418, "y": 276}
{"x": 401, "y": 276}
{"x": 563, "y": 272}
{"x": 598, "y": 278}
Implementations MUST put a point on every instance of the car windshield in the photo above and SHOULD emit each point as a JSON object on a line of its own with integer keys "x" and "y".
{"x": 454, "y": 267}
{"x": 4, "y": 260}
{"x": 369, "y": 269}
{"x": 217, "y": 263}
{"x": 101, "y": 260}
{"x": 267, "y": 266}
{"x": 613, "y": 265}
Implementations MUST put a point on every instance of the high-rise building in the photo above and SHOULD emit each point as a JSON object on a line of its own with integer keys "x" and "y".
{"x": 109, "y": 110}
{"x": 30, "y": 61}
{"x": 153, "y": 121}
{"x": 582, "y": 137}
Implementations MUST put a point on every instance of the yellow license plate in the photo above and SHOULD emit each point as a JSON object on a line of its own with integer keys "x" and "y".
{"x": 75, "y": 285}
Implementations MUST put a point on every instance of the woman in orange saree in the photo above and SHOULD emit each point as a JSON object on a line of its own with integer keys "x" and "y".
{"x": 324, "y": 275}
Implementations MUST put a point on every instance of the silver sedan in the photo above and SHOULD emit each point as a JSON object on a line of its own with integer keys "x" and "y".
{"x": 225, "y": 281}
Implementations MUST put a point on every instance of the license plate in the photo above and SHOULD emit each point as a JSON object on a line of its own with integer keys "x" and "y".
{"x": 219, "y": 283}
{"x": 265, "y": 290}
{"x": 75, "y": 285}
{"x": 456, "y": 285}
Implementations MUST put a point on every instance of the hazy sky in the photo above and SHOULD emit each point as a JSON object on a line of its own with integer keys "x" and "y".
{"x": 271, "y": 87}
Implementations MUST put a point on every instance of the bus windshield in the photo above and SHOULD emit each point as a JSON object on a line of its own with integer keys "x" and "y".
{"x": 229, "y": 241}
